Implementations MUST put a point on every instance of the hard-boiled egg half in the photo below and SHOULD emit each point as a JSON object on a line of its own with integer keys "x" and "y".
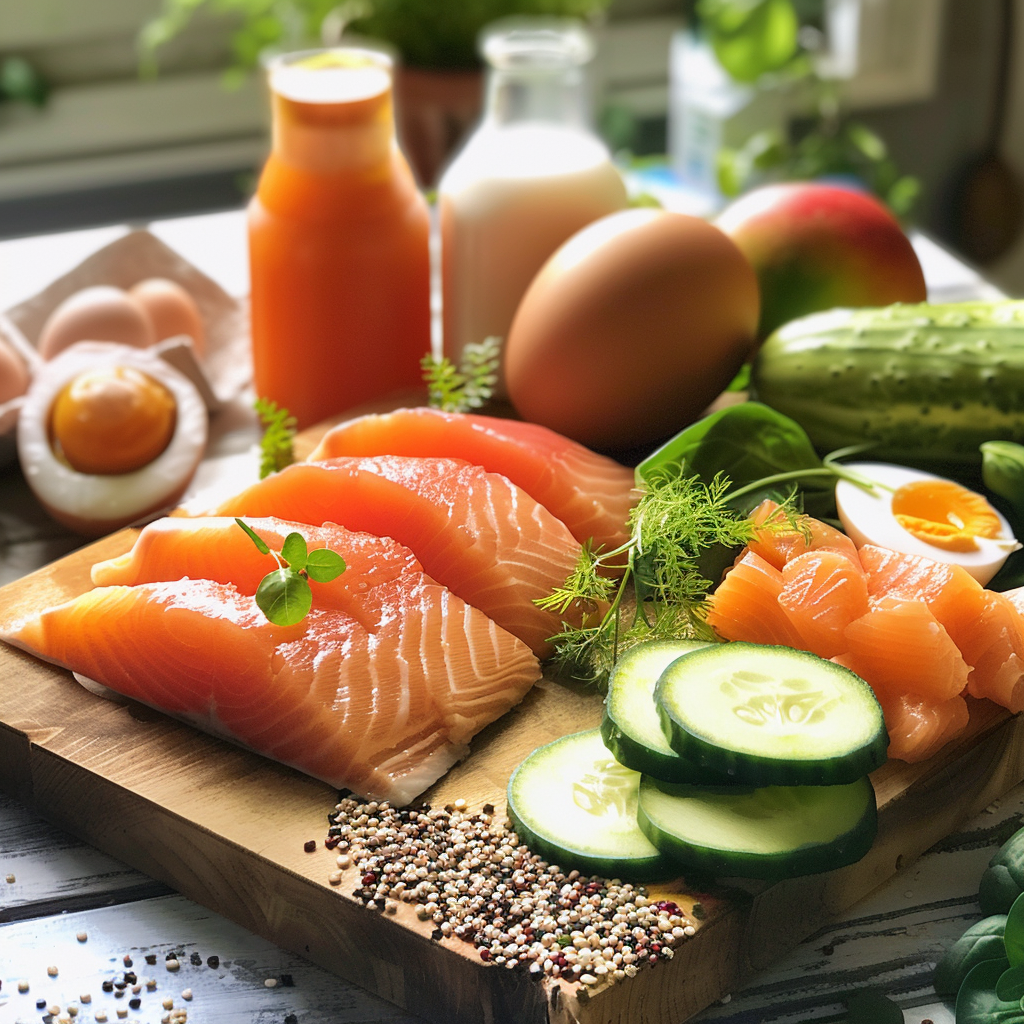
{"x": 919, "y": 513}
{"x": 108, "y": 434}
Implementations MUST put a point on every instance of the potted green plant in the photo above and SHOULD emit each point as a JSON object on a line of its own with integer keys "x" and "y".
{"x": 777, "y": 44}
{"x": 438, "y": 78}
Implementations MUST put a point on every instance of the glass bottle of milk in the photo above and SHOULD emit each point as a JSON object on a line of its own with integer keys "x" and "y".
{"x": 531, "y": 176}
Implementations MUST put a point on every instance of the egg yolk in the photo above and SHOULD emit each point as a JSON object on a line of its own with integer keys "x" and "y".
{"x": 944, "y": 514}
{"x": 112, "y": 420}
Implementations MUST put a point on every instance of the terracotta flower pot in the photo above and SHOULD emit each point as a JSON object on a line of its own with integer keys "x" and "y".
{"x": 434, "y": 110}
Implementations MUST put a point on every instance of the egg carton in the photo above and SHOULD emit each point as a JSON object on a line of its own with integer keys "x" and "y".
{"x": 221, "y": 375}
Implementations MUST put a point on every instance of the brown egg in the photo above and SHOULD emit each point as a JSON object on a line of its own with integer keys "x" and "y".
{"x": 171, "y": 310}
{"x": 632, "y": 329}
{"x": 13, "y": 373}
{"x": 99, "y": 313}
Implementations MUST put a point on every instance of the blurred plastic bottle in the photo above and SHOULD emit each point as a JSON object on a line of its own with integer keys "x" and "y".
{"x": 531, "y": 176}
{"x": 338, "y": 241}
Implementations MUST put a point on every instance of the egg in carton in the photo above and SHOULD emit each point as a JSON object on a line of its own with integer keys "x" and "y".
{"x": 133, "y": 309}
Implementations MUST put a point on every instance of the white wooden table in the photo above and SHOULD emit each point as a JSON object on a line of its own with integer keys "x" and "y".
{"x": 66, "y": 906}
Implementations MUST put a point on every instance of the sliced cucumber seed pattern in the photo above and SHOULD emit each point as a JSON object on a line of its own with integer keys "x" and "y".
{"x": 768, "y": 715}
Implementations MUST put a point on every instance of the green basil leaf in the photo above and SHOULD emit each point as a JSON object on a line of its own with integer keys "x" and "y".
{"x": 284, "y": 597}
{"x": 324, "y": 565}
{"x": 982, "y": 941}
{"x": 977, "y": 1002}
{"x": 1003, "y": 879}
{"x": 1002, "y": 470}
{"x": 254, "y": 537}
{"x": 293, "y": 551}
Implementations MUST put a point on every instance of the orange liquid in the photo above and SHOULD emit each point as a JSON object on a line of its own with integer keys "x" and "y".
{"x": 339, "y": 253}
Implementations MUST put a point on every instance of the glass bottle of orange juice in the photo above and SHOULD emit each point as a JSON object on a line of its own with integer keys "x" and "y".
{"x": 338, "y": 241}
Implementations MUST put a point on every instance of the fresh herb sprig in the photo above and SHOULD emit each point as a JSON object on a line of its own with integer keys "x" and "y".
{"x": 675, "y": 521}
{"x": 467, "y": 386}
{"x": 284, "y": 594}
{"x": 277, "y": 445}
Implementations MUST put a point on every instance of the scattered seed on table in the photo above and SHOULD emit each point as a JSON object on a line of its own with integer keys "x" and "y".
{"x": 151, "y": 959}
{"x": 270, "y": 982}
{"x": 101, "y": 1016}
{"x": 334, "y": 878}
{"x": 186, "y": 993}
{"x": 10, "y": 879}
{"x": 122, "y": 1013}
{"x": 213, "y": 961}
{"x": 195, "y": 960}
{"x": 172, "y": 965}
{"x": 168, "y": 1004}
{"x": 288, "y": 981}
{"x": 135, "y": 1002}
{"x": 82, "y": 936}
{"x": 291, "y": 1019}
{"x": 309, "y": 845}
{"x": 53, "y": 1010}
{"x": 151, "y": 984}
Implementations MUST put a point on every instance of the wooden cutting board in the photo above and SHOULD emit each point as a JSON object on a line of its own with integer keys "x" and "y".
{"x": 227, "y": 828}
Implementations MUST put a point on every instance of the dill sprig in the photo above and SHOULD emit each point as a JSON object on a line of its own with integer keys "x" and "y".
{"x": 467, "y": 386}
{"x": 277, "y": 448}
{"x": 660, "y": 595}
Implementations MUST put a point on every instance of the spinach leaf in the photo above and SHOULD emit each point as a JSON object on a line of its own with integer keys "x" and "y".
{"x": 1003, "y": 880}
{"x": 1013, "y": 933}
{"x": 977, "y": 1001}
{"x": 745, "y": 442}
{"x": 982, "y": 941}
{"x": 1002, "y": 470}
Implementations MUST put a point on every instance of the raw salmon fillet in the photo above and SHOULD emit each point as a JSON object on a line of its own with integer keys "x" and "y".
{"x": 917, "y": 728}
{"x": 475, "y": 532}
{"x": 216, "y": 548}
{"x": 823, "y": 591}
{"x": 382, "y": 707}
{"x": 590, "y": 493}
{"x": 778, "y": 542}
{"x": 899, "y": 646}
{"x": 746, "y": 605}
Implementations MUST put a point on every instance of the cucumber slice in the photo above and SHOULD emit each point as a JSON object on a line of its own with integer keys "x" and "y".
{"x": 631, "y": 727}
{"x": 767, "y": 715}
{"x": 772, "y": 832}
{"x": 573, "y": 803}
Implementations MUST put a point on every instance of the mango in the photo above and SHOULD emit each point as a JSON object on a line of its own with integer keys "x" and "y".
{"x": 817, "y": 246}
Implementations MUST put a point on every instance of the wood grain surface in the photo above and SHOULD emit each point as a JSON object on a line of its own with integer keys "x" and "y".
{"x": 226, "y": 828}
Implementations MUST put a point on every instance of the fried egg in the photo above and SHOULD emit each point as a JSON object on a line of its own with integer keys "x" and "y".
{"x": 108, "y": 434}
{"x": 919, "y": 513}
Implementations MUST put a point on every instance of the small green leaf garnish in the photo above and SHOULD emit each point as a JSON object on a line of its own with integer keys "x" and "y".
{"x": 260, "y": 543}
{"x": 323, "y": 565}
{"x": 284, "y": 594}
{"x": 284, "y": 597}
{"x": 294, "y": 552}
{"x": 471, "y": 384}
{"x": 277, "y": 448}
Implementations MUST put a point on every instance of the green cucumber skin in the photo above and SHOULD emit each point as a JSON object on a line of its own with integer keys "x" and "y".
{"x": 631, "y": 750}
{"x": 653, "y": 870}
{"x": 923, "y": 384}
{"x": 627, "y": 751}
{"x": 563, "y": 853}
{"x": 846, "y": 849}
{"x": 754, "y": 770}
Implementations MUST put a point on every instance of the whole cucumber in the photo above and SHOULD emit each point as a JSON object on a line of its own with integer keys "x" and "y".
{"x": 923, "y": 385}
